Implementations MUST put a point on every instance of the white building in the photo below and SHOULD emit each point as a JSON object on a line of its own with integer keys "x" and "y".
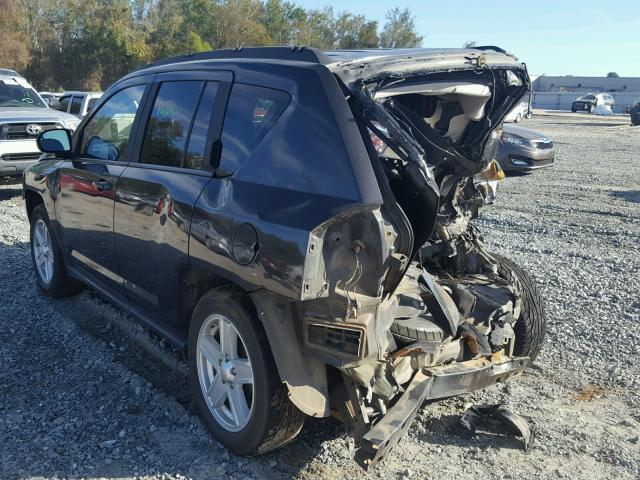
{"x": 557, "y": 93}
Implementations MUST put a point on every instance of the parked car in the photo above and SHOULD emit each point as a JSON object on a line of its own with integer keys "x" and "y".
{"x": 244, "y": 213}
{"x": 518, "y": 113}
{"x": 523, "y": 150}
{"x": 52, "y": 99}
{"x": 634, "y": 113}
{"x": 5, "y": 72}
{"x": 23, "y": 114}
{"x": 590, "y": 101}
{"x": 78, "y": 103}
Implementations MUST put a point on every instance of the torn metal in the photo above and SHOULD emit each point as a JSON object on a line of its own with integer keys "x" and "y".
{"x": 404, "y": 303}
{"x": 498, "y": 415}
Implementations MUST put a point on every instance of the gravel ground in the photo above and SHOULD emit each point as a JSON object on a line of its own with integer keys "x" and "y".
{"x": 86, "y": 392}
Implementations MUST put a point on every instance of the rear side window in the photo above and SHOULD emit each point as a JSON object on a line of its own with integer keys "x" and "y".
{"x": 91, "y": 103}
{"x": 251, "y": 113}
{"x": 198, "y": 138}
{"x": 169, "y": 123}
{"x": 76, "y": 105}
{"x": 63, "y": 105}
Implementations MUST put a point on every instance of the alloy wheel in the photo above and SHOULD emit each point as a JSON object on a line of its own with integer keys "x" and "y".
{"x": 225, "y": 373}
{"x": 43, "y": 251}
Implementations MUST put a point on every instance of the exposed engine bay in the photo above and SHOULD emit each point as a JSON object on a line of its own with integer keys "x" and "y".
{"x": 441, "y": 317}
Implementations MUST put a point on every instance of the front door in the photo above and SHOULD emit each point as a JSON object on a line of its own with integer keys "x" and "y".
{"x": 155, "y": 196}
{"x": 87, "y": 185}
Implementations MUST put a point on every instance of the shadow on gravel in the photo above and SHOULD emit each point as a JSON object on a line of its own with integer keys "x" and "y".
{"x": 9, "y": 193}
{"x": 628, "y": 195}
{"x": 447, "y": 430}
{"x": 143, "y": 353}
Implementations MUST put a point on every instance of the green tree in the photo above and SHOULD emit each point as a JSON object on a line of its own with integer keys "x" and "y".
{"x": 355, "y": 31}
{"x": 400, "y": 30}
{"x": 612, "y": 75}
{"x": 14, "y": 45}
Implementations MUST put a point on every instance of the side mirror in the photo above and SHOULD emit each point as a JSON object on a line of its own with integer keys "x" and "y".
{"x": 57, "y": 140}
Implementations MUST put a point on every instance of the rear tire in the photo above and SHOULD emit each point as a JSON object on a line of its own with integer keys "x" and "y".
{"x": 531, "y": 327}
{"x": 51, "y": 274}
{"x": 268, "y": 419}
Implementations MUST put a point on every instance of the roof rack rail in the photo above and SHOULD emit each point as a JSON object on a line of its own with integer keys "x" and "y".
{"x": 299, "y": 54}
{"x": 490, "y": 47}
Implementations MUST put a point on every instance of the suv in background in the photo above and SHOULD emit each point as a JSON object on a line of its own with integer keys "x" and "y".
{"x": 590, "y": 101}
{"x": 518, "y": 113}
{"x": 23, "y": 115}
{"x": 235, "y": 202}
{"x": 78, "y": 103}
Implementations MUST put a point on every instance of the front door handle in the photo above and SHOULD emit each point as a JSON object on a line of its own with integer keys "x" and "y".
{"x": 103, "y": 184}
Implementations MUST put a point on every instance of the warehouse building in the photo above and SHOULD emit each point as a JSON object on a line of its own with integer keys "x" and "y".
{"x": 557, "y": 93}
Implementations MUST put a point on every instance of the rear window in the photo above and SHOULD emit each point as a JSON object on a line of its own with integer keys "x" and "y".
{"x": 63, "y": 104}
{"x": 76, "y": 105}
{"x": 251, "y": 113}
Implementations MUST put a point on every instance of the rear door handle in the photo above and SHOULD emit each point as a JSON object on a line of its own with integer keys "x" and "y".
{"x": 103, "y": 185}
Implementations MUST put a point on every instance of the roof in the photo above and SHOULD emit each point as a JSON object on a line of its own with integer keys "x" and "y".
{"x": 295, "y": 54}
{"x": 363, "y": 64}
{"x": 313, "y": 55}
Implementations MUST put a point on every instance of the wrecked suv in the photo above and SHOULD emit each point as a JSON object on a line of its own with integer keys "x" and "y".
{"x": 299, "y": 222}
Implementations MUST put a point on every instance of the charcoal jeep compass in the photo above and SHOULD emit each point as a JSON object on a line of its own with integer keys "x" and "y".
{"x": 299, "y": 223}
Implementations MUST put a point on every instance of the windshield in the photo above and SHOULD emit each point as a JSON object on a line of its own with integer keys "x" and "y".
{"x": 14, "y": 95}
{"x": 587, "y": 97}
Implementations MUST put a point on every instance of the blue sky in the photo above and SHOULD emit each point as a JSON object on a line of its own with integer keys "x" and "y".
{"x": 562, "y": 37}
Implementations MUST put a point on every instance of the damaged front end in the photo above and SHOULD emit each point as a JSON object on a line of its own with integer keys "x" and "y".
{"x": 404, "y": 302}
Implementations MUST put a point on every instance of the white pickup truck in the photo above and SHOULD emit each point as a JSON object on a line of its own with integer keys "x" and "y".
{"x": 23, "y": 115}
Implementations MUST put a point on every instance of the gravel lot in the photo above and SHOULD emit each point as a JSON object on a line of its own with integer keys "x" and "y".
{"x": 86, "y": 392}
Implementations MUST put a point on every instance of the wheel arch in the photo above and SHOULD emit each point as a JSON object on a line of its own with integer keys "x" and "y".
{"x": 306, "y": 379}
{"x": 32, "y": 199}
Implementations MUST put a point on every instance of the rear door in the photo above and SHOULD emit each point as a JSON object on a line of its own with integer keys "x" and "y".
{"x": 87, "y": 183}
{"x": 156, "y": 195}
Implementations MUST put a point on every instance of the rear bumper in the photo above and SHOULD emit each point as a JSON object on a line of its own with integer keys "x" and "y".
{"x": 430, "y": 384}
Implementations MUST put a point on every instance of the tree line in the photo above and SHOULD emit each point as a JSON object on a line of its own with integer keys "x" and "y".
{"x": 88, "y": 44}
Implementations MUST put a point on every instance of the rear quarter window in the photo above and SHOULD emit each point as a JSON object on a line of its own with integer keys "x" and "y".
{"x": 251, "y": 112}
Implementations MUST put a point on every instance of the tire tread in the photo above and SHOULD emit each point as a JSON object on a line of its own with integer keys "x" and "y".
{"x": 531, "y": 327}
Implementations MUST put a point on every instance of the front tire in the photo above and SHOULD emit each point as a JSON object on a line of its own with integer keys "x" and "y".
{"x": 237, "y": 387}
{"x": 51, "y": 274}
{"x": 531, "y": 327}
